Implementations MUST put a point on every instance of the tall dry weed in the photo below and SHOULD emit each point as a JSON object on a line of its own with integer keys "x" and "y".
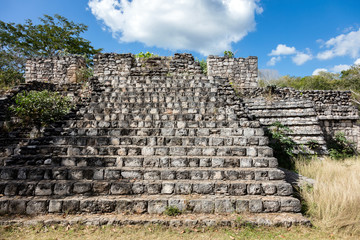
{"x": 334, "y": 201}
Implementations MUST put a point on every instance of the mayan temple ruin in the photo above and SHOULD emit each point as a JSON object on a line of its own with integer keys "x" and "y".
{"x": 149, "y": 134}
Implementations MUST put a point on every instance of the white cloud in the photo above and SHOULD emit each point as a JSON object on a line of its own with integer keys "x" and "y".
{"x": 342, "y": 45}
{"x": 205, "y": 26}
{"x": 282, "y": 49}
{"x": 318, "y": 70}
{"x": 340, "y": 67}
{"x": 273, "y": 61}
{"x": 300, "y": 58}
{"x": 357, "y": 61}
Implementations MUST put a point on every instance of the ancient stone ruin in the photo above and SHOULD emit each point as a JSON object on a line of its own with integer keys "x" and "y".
{"x": 156, "y": 133}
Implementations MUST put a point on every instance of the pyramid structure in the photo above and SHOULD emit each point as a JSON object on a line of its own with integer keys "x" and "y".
{"x": 155, "y": 133}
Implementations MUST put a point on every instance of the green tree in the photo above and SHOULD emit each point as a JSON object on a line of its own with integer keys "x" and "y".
{"x": 52, "y": 36}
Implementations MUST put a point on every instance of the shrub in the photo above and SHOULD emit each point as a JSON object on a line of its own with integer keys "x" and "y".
{"x": 203, "y": 65}
{"x": 145, "y": 55}
{"x": 172, "y": 211}
{"x": 229, "y": 54}
{"x": 40, "y": 107}
{"x": 282, "y": 144}
{"x": 341, "y": 148}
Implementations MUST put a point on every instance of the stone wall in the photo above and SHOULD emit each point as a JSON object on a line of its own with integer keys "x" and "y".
{"x": 242, "y": 72}
{"x": 112, "y": 66}
{"x": 57, "y": 69}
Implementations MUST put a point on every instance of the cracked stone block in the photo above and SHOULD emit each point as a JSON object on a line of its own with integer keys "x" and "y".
{"x": 81, "y": 188}
{"x": 224, "y": 206}
{"x": 137, "y": 188}
{"x": 205, "y": 162}
{"x": 284, "y": 189}
{"x": 134, "y": 162}
{"x": 17, "y": 206}
{"x": 179, "y": 203}
{"x": 10, "y": 189}
{"x": 290, "y": 205}
{"x": 36, "y": 207}
{"x": 157, "y": 206}
{"x": 4, "y": 207}
{"x": 254, "y": 189}
{"x": 238, "y": 189}
{"x": 112, "y": 174}
{"x": 131, "y": 175}
{"x": 203, "y": 188}
{"x": 153, "y": 188}
{"x": 269, "y": 188}
{"x": 62, "y": 188}
{"x": 101, "y": 187}
{"x": 120, "y": 188}
{"x": 70, "y": 206}
{"x": 245, "y": 162}
{"x": 55, "y": 206}
{"x": 153, "y": 175}
{"x": 242, "y": 206}
{"x": 271, "y": 206}
{"x": 255, "y": 206}
{"x": 183, "y": 188}
{"x": 168, "y": 188}
{"x": 201, "y": 206}
{"x": 43, "y": 189}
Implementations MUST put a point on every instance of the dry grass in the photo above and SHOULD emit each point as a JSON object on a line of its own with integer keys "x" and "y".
{"x": 334, "y": 201}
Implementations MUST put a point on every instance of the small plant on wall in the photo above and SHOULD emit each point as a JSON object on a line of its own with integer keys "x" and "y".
{"x": 40, "y": 107}
{"x": 229, "y": 54}
{"x": 340, "y": 147}
{"x": 282, "y": 144}
{"x": 145, "y": 55}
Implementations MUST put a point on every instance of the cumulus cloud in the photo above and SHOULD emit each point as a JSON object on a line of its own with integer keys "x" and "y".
{"x": 342, "y": 45}
{"x": 273, "y": 61}
{"x": 300, "y": 58}
{"x": 340, "y": 67}
{"x": 205, "y": 26}
{"x": 318, "y": 70}
{"x": 282, "y": 49}
{"x": 357, "y": 61}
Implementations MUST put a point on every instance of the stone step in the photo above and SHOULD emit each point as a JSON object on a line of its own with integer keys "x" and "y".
{"x": 120, "y": 113}
{"x": 82, "y": 139}
{"x": 141, "y": 161}
{"x": 210, "y": 131}
{"x": 143, "y": 187}
{"x": 291, "y": 121}
{"x": 165, "y": 116}
{"x": 135, "y": 150}
{"x": 152, "y": 204}
{"x": 271, "y": 113}
{"x": 140, "y": 173}
{"x": 145, "y": 123}
{"x": 184, "y": 220}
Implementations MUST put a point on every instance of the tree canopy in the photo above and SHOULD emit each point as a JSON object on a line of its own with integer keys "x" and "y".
{"x": 52, "y": 36}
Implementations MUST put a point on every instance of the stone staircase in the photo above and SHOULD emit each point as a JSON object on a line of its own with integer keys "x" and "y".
{"x": 144, "y": 143}
{"x": 298, "y": 115}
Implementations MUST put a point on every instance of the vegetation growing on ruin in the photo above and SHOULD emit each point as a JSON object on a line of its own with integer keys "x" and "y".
{"x": 145, "y": 55}
{"x": 229, "y": 54}
{"x": 282, "y": 144}
{"x": 40, "y": 107}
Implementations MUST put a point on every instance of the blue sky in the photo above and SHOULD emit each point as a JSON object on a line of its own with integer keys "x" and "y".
{"x": 294, "y": 37}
